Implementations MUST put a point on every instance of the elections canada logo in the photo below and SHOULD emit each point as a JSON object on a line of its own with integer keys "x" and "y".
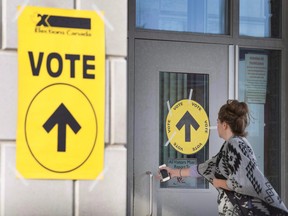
{"x": 63, "y": 25}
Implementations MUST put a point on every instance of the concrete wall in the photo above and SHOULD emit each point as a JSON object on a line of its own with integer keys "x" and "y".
{"x": 19, "y": 196}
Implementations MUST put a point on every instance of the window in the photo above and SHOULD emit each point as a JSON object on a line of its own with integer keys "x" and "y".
{"x": 260, "y": 18}
{"x": 200, "y": 16}
{"x": 259, "y": 86}
{"x": 175, "y": 87}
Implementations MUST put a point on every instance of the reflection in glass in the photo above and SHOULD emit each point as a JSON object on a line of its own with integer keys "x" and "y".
{"x": 260, "y": 18}
{"x": 259, "y": 86}
{"x": 201, "y": 16}
{"x": 173, "y": 88}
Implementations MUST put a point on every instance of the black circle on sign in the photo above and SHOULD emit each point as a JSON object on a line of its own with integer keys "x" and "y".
{"x": 26, "y": 137}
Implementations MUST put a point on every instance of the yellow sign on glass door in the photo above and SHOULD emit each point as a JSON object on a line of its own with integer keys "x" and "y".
{"x": 61, "y": 94}
{"x": 187, "y": 126}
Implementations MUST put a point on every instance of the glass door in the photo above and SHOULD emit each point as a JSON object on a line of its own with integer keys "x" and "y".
{"x": 179, "y": 88}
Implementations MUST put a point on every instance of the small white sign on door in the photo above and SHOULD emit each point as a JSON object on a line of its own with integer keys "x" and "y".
{"x": 184, "y": 182}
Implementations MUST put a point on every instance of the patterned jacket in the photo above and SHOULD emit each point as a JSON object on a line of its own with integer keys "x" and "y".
{"x": 251, "y": 193}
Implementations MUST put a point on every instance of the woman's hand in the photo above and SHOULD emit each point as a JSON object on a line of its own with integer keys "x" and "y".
{"x": 220, "y": 183}
{"x": 172, "y": 172}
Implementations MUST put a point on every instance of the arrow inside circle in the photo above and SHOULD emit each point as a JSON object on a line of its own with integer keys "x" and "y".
{"x": 61, "y": 116}
{"x": 187, "y": 120}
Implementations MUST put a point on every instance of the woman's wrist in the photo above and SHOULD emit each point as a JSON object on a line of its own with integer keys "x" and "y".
{"x": 176, "y": 173}
{"x": 173, "y": 173}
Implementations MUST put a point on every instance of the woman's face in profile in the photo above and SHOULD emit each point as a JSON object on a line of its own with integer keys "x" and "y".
{"x": 220, "y": 128}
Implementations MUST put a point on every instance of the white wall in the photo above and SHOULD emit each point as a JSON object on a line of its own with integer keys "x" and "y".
{"x": 20, "y": 196}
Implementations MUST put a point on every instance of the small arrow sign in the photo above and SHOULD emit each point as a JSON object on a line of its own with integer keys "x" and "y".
{"x": 187, "y": 120}
{"x": 61, "y": 116}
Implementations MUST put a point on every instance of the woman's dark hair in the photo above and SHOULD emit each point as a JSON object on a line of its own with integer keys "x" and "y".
{"x": 236, "y": 115}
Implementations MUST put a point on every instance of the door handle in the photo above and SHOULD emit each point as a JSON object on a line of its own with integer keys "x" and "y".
{"x": 150, "y": 193}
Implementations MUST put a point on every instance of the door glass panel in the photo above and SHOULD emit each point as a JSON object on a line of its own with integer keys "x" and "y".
{"x": 260, "y": 18}
{"x": 259, "y": 86}
{"x": 175, "y": 87}
{"x": 201, "y": 16}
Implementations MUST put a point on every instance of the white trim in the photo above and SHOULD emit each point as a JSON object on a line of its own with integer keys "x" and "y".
{"x": 2, "y": 180}
{"x": 236, "y": 80}
{"x": 231, "y": 72}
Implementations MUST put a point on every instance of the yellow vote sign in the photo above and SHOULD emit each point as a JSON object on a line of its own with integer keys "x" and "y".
{"x": 187, "y": 126}
{"x": 61, "y": 94}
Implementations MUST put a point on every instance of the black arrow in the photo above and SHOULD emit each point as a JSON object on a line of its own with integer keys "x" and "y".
{"x": 187, "y": 120}
{"x": 61, "y": 116}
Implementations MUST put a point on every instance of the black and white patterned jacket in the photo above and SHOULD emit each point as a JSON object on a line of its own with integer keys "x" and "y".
{"x": 251, "y": 193}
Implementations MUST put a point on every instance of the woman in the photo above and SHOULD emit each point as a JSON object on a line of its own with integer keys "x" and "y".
{"x": 243, "y": 189}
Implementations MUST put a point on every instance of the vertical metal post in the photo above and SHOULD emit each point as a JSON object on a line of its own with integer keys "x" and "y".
{"x": 150, "y": 193}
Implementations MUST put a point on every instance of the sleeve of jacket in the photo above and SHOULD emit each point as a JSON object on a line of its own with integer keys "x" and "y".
{"x": 207, "y": 169}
